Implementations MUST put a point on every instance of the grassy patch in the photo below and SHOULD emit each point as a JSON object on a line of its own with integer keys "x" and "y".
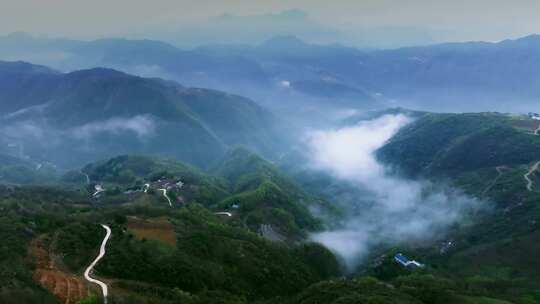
{"x": 159, "y": 229}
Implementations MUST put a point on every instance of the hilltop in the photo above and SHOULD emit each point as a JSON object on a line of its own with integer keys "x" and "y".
{"x": 448, "y": 144}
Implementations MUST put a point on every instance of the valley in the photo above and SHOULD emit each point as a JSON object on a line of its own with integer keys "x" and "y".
{"x": 287, "y": 172}
{"x": 246, "y": 214}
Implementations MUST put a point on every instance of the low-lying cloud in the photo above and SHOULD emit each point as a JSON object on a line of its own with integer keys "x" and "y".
{"x": 393, "y": 210}
{"x": 141, "y": 125}
{"x": 70, "y": 147}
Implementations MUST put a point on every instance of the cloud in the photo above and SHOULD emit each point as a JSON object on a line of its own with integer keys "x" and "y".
{"x": 393, "y": 210}
{"x": 141, "y": 125}
{"x": 24, "y": 129}
{"x": 348, "y": 153}
{"x": 149, "y": 71}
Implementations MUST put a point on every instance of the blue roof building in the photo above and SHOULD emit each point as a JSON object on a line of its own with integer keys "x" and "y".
{"x": 405, "y": 262}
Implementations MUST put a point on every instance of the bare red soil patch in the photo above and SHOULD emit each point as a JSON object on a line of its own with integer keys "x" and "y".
{"x": 67, "y": 287}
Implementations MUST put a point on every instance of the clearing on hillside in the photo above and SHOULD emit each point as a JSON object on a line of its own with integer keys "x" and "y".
{"x": 68, "y": 288}
{"x": 159, "y": 229}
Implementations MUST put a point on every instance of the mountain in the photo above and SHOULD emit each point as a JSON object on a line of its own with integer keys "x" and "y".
{"x": 211, "y": 202}
{"x": 102, "y": 112}
{"x": 343, "y": 94}
{"x": 25, "y": 83}
{"x": 250, "y": 71}
{"x": 492, "y": 157}
{"x": 264, "y": 195}
{"x": 192, "y": 249}
{"x": 133, "y": 171}
{"x": 488, "y": 254}
{"x": 144, "y": 57}
{"x": 447, "y": 144}
{"x": 489, "y": 76}
{"x": 197, "y": 265}
{"x": 242, "y": 183}
{"x": 209, "y": 249}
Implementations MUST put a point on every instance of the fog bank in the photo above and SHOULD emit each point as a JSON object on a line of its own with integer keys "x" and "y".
{"x": 393, "y": 210}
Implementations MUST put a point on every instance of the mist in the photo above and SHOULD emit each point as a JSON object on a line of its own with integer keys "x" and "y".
{"x": 75, "y": 146}
{"x": 392, "y": 210}
{"x": 141, "y": 125}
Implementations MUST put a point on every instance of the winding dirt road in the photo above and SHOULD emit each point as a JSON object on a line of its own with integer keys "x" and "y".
{"x": 494, "y": 181}
{"x": 528, "y": 176}
{"x": 533, "y": 168}
{"x": 165, "y": 195}
{"x": 104, "y": 287}
{"x": 87, "y": 178}
{"x": 223, "y": 213}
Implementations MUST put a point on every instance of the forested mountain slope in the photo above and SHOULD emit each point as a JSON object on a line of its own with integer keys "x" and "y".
{"x": 92, "y": 114}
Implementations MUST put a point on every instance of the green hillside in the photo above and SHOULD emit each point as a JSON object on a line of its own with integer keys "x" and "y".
{"x": 446, "y": 144}
{"x": 189, "y": 254}
{"x": 132, "y": 171}
{"x": 487, "y": 155}
{"x": 14, "y": 170}
{"x": 264, "y": 195}
{"x": 213, "y": 259}
{"x": 212, "y": 255}
{"x": 243, "y": 183}
{"x": 127, "y": 169}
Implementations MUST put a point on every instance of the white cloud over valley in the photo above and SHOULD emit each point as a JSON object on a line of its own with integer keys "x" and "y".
{"x": 394, "y": 210}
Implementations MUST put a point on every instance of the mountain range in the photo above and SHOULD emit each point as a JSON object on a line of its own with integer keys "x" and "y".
{"x": 288, "y": 196}
{"x": 286, "y": 71}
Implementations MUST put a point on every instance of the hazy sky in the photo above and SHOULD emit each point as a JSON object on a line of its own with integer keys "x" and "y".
{"x": 356, "y": 22}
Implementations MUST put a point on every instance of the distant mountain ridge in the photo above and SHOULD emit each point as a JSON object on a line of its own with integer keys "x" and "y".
{"x": 470, "y": 76}
{"x": 251, "y": 71}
